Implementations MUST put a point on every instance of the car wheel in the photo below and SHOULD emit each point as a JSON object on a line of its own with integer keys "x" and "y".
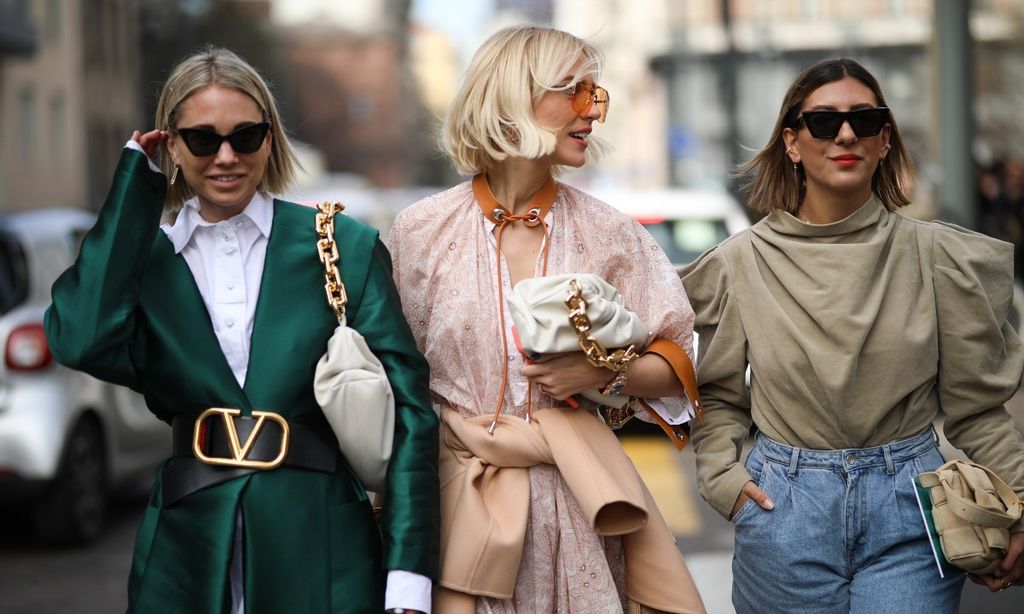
{"x": 71, "y": 512}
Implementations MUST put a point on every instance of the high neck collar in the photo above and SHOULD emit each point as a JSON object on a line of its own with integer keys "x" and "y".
{"x": 866, "y": 215}
{"x": 496, "y": 212}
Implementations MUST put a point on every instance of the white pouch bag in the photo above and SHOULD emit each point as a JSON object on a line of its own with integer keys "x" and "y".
{"x": 541, "y": 317}
{"x": 350, "y": 384}
{"x": 352, "y": 389}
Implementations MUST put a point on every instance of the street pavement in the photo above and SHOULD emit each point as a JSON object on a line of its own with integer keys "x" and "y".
{"x": 37, "y": 580}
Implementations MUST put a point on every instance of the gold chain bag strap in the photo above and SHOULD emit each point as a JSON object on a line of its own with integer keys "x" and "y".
{"x": 619, "y": 409}
{"x": 350, "y": 383}
{"x": 617, "y": 361}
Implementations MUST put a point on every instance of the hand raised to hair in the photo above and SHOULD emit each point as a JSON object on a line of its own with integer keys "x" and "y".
{"x": 150, "y": 141}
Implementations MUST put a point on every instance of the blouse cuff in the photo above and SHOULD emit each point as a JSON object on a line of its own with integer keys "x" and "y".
{"x": 683, "y": 414}
{"x": 407, "y": 590}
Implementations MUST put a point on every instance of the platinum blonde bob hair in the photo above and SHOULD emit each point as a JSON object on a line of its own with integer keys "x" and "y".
{"x": 219, "y": 66}
{"x": 491, "y": 117}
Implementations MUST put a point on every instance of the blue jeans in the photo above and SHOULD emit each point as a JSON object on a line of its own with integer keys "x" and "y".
{"x": 846, "y": 534}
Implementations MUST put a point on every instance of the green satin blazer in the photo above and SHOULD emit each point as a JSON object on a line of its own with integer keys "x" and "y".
{"x": 129, "y": 312}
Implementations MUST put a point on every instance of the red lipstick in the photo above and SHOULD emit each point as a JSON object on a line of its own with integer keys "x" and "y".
{"x": 846, "y": 160}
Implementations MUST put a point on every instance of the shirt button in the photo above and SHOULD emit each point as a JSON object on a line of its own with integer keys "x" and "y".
{"x": 231, "y": 286}
{"x": 230, "y": 322}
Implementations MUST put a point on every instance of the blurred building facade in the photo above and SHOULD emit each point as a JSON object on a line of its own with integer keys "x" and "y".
{"x": 17, "y": 39}
{"x": 352, "y": 91}
{"x": 700, "y": 89}
{"x": 67, "y": 108}
{"x": 630, "y": 34}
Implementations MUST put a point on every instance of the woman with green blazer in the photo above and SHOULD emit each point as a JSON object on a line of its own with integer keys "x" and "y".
{"x": 225, "y": 308}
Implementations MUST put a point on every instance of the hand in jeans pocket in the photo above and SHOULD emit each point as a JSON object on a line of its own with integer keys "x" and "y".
{"x": 751, "y": 491}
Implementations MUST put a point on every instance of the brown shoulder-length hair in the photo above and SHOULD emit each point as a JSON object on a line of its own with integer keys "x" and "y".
{"x": 770, "y": 179}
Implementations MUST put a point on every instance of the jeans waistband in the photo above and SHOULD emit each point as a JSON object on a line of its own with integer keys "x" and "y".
{"x": 893, "y": 452}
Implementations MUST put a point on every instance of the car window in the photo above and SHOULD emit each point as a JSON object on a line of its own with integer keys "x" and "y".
{"x": 684, "y": 240}
{"x": 13, "y": 272}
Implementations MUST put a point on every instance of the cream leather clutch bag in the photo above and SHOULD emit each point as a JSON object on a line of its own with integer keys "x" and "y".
{"x": 541, "y": 317}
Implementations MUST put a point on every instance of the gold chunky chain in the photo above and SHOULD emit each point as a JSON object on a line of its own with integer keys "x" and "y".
{"x": 596, "y": 355}
{"x": 328, "y": 250}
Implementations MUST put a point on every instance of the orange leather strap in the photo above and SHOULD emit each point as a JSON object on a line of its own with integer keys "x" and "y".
{"x": 676, "y": 433}
{"x": 502, "y": 217}
{"x": 683, "y": 368}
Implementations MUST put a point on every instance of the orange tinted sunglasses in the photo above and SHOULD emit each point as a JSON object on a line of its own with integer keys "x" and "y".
{"x": 587, "y": 93}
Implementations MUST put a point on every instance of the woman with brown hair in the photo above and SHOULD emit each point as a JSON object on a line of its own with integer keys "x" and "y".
{"x": 859, "y": 327}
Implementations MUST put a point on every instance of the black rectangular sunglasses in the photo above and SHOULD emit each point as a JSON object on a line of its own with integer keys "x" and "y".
{"x": 202, "y": 142}
{"x": 827, "y": 124}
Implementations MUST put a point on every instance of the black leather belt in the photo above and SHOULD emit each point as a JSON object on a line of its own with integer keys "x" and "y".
{"x": 232, "y": 450}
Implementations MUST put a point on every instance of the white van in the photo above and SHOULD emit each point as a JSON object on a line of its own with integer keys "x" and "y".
{"x": 684, "y": 222}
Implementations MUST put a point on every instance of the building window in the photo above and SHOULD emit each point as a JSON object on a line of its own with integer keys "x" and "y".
{"x": 58, "y": 130}
{"x": 29, "y": 129}
{"x": 54, "y": 21}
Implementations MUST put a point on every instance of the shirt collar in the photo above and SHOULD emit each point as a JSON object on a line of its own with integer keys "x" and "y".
{"x": 260, "y": 212}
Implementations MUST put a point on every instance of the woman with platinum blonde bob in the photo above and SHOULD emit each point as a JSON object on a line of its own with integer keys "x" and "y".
{"x": 859, "y": 328}
{"x": 221, "y": 313}
{"x": 524, "y": 525}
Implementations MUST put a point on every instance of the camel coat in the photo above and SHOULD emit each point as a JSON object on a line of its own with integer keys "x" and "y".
{"x": 485, "y": 494}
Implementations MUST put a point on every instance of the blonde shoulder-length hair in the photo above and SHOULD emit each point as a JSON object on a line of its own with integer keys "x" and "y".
{"x": 491, "y": 117}
{"x": 216, "y": 65}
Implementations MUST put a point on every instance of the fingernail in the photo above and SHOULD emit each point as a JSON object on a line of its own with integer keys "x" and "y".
{"x": 768, "y": 503}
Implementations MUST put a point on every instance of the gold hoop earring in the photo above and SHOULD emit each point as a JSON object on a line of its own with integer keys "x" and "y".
{"x": 174, "y": 174}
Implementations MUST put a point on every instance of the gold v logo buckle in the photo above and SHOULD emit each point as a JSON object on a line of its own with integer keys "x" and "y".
{"x": 240, "y": 451}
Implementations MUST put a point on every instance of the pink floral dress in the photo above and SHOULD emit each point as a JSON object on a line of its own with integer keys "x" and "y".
{"x": 444, "y": 253}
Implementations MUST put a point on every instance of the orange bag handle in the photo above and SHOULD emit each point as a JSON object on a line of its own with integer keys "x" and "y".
{"x": 682, "y": 366}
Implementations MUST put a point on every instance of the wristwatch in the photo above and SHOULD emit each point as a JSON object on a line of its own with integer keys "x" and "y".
{"x": 617, "y": 385}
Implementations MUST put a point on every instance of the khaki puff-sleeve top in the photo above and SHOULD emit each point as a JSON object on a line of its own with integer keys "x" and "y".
{"x": 857, "y": 333}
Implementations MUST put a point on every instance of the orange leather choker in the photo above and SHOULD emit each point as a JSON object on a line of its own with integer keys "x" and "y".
{"x": 502, "y": 218}
{"x": 499, "y": 215}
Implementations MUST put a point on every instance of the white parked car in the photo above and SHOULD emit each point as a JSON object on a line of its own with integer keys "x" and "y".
{"x": 684, "y": 222}
{"x": 67, "y": 440}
